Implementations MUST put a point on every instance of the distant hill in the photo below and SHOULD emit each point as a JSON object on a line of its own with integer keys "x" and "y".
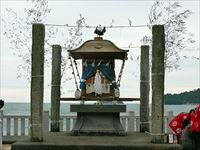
{"x": 191, "y": 97}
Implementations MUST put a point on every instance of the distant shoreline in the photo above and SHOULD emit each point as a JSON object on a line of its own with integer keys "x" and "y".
{"x": 188, "y": 97}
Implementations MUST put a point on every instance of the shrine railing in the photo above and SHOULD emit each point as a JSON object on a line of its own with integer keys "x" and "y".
{"x": 15, "y": 126}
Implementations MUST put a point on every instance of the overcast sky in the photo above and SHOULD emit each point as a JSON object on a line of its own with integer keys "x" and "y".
{"x": 95, "y": 13}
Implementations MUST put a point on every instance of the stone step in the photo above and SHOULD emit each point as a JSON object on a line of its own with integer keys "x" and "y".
{"x": 63, "y": 141}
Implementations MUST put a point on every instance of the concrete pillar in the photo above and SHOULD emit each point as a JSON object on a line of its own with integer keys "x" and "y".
{"x": 170, "y": 116}
{"x": 144, "y": 89}
{"x": 158, "y": 53}
{"x": 46, "y": 121}
{"x": 1, "y": 127}
{"x": 131, "y": 122}
{"x": 37, "y": 82}
{"x": 55, "y": 88}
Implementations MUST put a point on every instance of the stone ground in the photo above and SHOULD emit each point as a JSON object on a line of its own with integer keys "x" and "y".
{"x": 63, "y": 141}
{"x": 5, "y": 147}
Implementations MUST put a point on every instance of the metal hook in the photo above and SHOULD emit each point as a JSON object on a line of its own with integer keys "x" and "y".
{"x": 99, "y": 63}
{"x": 93, "y": 63}
{"x": 107, "y": 64}
{"x": 85, "y": 63}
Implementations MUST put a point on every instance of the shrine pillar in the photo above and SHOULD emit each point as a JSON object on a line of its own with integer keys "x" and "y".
{"x": 157, "y": 75}
{"x": 144, "y": 89}
{"x": 55, "y": 88}
{"x": 37, "y": 82}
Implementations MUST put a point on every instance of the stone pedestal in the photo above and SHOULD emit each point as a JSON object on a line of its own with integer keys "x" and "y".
{"x": 98, "y": 119}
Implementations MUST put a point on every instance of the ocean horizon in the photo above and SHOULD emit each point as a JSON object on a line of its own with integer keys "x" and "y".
{"x": 21, "y": 108}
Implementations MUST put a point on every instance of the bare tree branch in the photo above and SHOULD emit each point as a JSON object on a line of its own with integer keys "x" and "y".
{"x": 18, "y": 31}
{"x": 176, "y": 35}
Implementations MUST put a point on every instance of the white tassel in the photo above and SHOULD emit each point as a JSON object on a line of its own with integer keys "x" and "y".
{"x": 108, "y": 63}
{"x": 85, "y": 63}
{"x": 97, "y": 83}
{"x": 77, "y": 94}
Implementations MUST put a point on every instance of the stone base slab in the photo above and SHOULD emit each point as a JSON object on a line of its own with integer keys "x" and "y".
{"x": 63, "y": 141}
{"x": 98, "y": 120}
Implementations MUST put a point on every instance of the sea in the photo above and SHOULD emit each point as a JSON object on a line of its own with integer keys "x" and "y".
{"x": 24, "y": 108}
{"x": 21, "y": 109}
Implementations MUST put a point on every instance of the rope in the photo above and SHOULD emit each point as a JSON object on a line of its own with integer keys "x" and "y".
{"x": 127, "y": 47}
{"x": 120, "y": 73}
{"x": 144, "y": 81}
{"x": 73, "y": 72}
{"x": 157, "y": 74}
{"x": 92, "y": 26}
{"x": 37, "y": 76}
{"x": 77, "y": 70}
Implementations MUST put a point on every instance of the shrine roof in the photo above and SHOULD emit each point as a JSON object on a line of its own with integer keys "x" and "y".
{"x": 98, "y": 49}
